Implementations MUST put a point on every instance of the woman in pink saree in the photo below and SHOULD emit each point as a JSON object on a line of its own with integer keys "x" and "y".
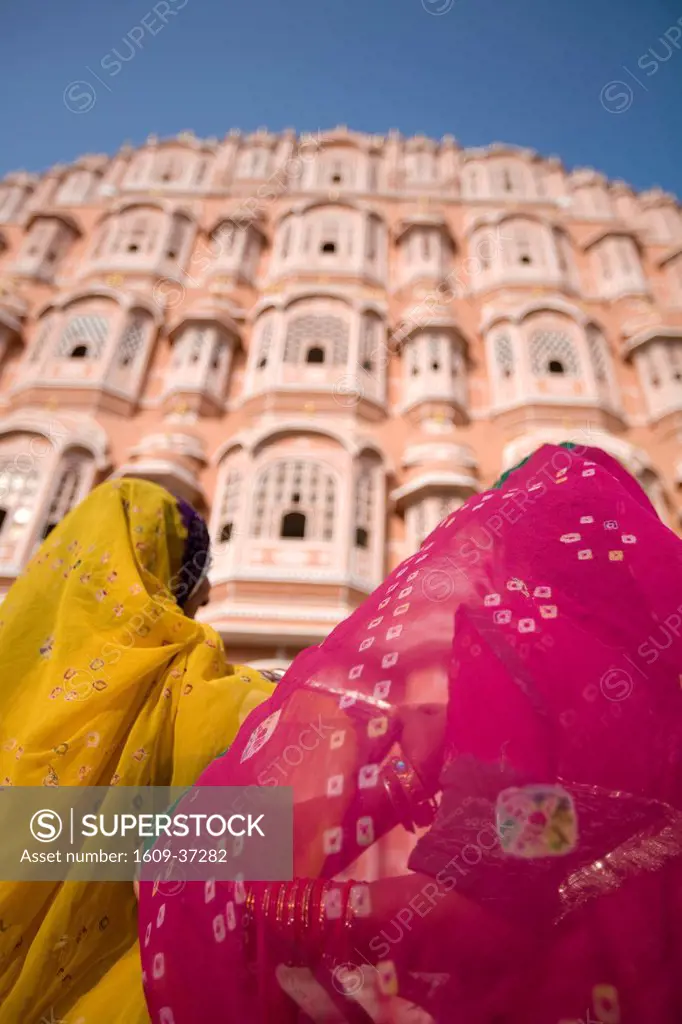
{"x": 488, "y": 827}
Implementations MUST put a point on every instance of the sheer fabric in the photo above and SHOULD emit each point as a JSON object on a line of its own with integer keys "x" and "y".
{"x": 528, "y": 659}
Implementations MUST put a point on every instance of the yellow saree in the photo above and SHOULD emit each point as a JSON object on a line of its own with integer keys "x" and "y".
{"x": 103, "y": 680}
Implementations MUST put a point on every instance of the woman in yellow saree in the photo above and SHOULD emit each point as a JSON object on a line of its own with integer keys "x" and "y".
{"x": 105, "y": 679}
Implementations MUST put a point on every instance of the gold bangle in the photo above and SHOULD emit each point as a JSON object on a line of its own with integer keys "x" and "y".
{"x": 305, "y": 904}
{"x": 291, "y": 903}
{"x": 280, "y": 903}
{"x": 348, "y": 913}
{"x": 322, "y": 908}
{"x": 266, "y": 902}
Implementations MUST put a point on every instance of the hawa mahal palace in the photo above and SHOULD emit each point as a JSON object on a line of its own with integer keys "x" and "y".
{"x": 326, "y": 343}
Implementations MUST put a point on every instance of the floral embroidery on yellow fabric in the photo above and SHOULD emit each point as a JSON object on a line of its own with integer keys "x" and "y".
{"x": 97, "y": 665}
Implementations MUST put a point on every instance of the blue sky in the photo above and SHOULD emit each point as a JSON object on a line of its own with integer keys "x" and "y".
{"x": 523, "y": 71}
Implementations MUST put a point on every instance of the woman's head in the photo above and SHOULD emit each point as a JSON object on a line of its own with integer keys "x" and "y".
{"x": 132, "y": 526}
{"x": 101, "y": 610}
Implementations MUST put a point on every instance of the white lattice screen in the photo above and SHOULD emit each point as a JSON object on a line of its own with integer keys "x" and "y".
{"x": 132, "y": 340}
{"x": 553, "y": 347}
{"x": 88, "y": 330}
{"x": 229, "y": 506}
{"x": 504, "y": 355}
{"x": 328, "y": 333}
{"x": 65, "y": 493}
{"x": 303, "y": 487}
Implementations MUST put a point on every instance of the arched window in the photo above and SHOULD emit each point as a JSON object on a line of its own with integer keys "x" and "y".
{"x": 369, "y": 343}
{"x": 553, "y": 352}
{"x": 65, "y": 494}
{"x": 315, "y": 355}
{"x": 225, "y": 237}
{"x": 510, "y": 178}
{"x": 12, "y": 199}
{"x": 75, "y": 187}
{"x": 372, "y": 236}
{"x": 652, "y": 368}
{"x": 132, "y": 340}
{"x": 201, "y": 171}
{"x": 484, "y": 250}
{"x": 168, "y": 168}
{"x": 504, "y": 355}
{"x": 364, "y": 504}
{"x": 294, "y": 499}
{"x": 18, "y": 490}
{"x": 138, "y": 172}
{"x": 617, "y": 265}
{"x": 191, "y": 345}
{"x": 84, "y": 336}
{"x": 218, "y": 354}
{"x": 197, "y": 339}
{"x": 413, "y": 358}
{"x": 264, "y": 343}
{"x": 334, "y": 170}
{"x": 229, "y": 507}
{"x": 598, "y": 357}
{"x": 434, "y": 354}
{"x": 471, "y": 181}
{"x": 564, "y": 256}
{"x": 135, "y": 233}
{"x": 176, "y": 238}
{"x": 674, "y": 349}
{"x": 46, "y": 241}
{"x": 317, "y": 332}
{"x": 136, "y": 238}
{"x": 285, "y": 240}
{"x": 523, "y": 250}
{"x": 253, "y": 162}
{"x": 420, "y": 168}
{"x": 37, "y": 238}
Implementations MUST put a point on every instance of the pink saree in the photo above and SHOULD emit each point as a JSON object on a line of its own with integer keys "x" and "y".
{"x": 523, "y": 668}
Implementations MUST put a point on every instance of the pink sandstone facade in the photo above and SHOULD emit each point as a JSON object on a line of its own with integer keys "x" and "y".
{"x": 326, "y": 343}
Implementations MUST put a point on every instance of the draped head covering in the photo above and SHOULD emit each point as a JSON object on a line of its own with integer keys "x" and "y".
{"x": 105, "y": 681}
{"x": 532, "y": 648}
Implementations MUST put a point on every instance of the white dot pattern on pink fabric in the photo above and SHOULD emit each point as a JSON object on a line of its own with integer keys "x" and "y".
{"x": 365, "y": 831}
{"x": 332, "y": 904}
{"x": 335, "y": 785}
{"x": 219, "y": 931}
{"x": 377, "y": 727}
{"x": 526, "y": 600}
